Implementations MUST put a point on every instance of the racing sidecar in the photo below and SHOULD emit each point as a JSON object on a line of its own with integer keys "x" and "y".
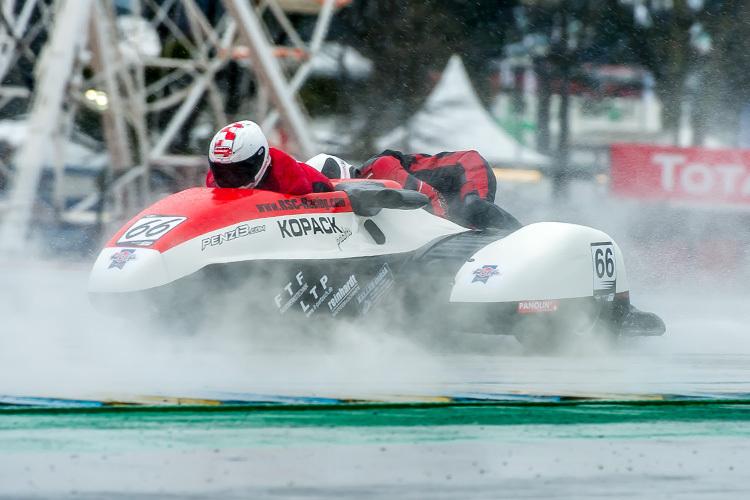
{"x": 365, "y": 250}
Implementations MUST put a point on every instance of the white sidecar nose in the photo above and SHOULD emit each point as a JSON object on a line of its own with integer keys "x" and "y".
{"x": 120, "y": 269}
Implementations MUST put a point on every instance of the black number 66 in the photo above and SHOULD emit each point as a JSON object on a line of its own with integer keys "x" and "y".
{"x": 605, "y": 262}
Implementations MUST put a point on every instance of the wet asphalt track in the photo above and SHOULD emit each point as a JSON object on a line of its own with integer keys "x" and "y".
{"x": 475, "y": 417}
{"x": 54, "y": 345}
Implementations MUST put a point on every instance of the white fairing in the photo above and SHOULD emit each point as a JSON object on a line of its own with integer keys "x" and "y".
{"x": 543, "y": 261}
{"x": 314, "y": 236}
{"x": 126, "y": 269}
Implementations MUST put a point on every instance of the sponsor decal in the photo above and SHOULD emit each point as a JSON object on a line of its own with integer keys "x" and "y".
{"x": 343, "y": 237}
{"x": 674, "y": 173}
{"x": 292, "y": 228}
{"x": 302, "y": 203}
{"x": 294, "y": 295}
{"x": 299, "y": 291}
{"x": 375, "y": 290}
{"x": 237, "y": 232}
{"x": 318, "y": 296}
{"x": 148, "y": 229}
{"x": 484, "y": 273}
{"x": 121, "y": 258}
{"x": 343, "y": 295}
{"x": 605, "y": 270}
{"x": 534, "y": 306}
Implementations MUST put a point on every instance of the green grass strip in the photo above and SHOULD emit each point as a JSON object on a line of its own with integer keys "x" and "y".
{"x": 111, "y": 429}
{"x": 379, "y": 415}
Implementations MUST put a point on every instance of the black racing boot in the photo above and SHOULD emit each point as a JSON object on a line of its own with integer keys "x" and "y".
{"x": 631, "y": 321}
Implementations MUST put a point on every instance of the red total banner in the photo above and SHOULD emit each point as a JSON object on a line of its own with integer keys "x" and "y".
{"x": 672, "y": 173}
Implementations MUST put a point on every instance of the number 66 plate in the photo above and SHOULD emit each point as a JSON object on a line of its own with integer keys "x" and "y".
{"x": 605, "y": 268}
{"x": 148, "y": 229}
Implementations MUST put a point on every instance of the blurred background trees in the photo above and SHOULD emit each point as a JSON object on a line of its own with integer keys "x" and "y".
{"x": 692, "y": 49}
{"x": 409, "y": 44}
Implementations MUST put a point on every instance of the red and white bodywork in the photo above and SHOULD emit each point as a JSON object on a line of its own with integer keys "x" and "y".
{"x": 357, "y": 252}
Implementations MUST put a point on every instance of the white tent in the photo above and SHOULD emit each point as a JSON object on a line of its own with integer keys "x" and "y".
{"x": 453, "y": 119}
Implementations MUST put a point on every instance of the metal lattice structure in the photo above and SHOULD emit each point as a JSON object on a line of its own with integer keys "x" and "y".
{"x": 151, "y": 73}
{"x": 22, "y": 31}
{"x": 22, "y": 27}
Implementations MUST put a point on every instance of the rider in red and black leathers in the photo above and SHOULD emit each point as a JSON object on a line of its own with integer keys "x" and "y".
{"x": 460, "y": 184}
{"x": 288, "y": 176}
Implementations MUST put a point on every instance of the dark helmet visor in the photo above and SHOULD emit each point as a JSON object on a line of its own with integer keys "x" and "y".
{"x": 240, "y": 173}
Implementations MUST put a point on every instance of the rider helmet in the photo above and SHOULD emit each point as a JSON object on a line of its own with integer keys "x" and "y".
{"x": 331, "y": 166}
{"x": 238, "y": 155}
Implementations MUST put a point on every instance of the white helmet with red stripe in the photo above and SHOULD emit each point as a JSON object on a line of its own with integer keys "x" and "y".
{"x": 331, "y": 166}
{"x": 238, "y": 155}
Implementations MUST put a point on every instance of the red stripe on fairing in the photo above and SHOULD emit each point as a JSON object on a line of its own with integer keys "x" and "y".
{"x": 209, "y": 209}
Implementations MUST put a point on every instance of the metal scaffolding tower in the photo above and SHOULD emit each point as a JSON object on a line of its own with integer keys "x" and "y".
{"x": 153, "y": 72}
{"x": 22, "y": 30}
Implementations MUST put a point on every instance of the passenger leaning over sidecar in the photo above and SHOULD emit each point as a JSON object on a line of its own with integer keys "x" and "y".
{"x": 460, "y": 184}
{"x": 239, "y": 157}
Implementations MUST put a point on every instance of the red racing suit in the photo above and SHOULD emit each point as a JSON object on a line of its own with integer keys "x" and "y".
{"x": 447, "y": 178}
{"x": 288, "y": 176}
